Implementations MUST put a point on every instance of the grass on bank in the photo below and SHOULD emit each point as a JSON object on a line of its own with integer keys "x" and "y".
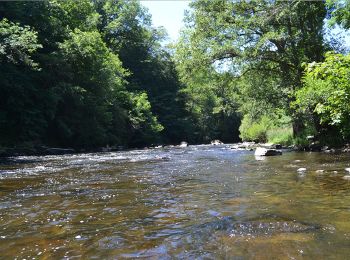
{"x": 280, "y": 135}
{"x": 267, "y": 130}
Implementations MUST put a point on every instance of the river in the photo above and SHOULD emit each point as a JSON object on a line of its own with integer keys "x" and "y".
{"x": 204, "y": 202}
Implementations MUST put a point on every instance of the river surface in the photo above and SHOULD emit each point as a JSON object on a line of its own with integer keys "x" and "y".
{"x": 199, "y": 202}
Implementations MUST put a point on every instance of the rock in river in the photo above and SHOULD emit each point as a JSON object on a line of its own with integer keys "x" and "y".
{"x": 216, "y": 142}
{"x": 183, "y": 144}
{"x": 260, "y": 151}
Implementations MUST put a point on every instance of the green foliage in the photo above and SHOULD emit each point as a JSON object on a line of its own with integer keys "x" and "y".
{"x": 326, "y": 92}
{"x": 89, "y": 73}
{"x": 94, "y": 57}
{"x": 273, "y": 128}
{"x": 145, "y": 126}
{"x": 211, "y": 100}
{"x": 259, "y": 45}
{"x": 255, "y": 130}
{"x": 127, "y": 30}
{"x": 17, "y": 43}
{"x": 301, "y": 142}
{"x": 280, "y": 135}
{"x": 90, "y": 92}
{"x": 340, "y": 12}
{"x": 22, "y": 109}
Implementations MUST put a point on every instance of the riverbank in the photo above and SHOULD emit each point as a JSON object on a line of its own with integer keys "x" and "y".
{"x": 249, "y": 146}
{"x": 43, "y": 150}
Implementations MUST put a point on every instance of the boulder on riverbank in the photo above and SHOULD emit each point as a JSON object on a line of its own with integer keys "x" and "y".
{"x": 183, "y": 144}
{"x": 244, "y": 146}
{"x": 216, "y": 142}
{"x": 261, "y": 151}
{"x": 250, "y": 146}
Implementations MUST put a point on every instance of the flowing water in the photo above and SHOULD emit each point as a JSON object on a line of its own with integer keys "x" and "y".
{"x": 202, "y": 202}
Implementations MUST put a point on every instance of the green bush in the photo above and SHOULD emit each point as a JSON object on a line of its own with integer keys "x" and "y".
{"x": 326, "y": 93}
{"x": 255, "y": 131}
{"x": 280, "y": 135}
{"x": 301, "y": 140}
{"x": 276, "y": 129}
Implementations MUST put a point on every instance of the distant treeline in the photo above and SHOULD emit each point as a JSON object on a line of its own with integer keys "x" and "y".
{"x": 91, "y": 73}
{"x": 281, "y": 65}
{"x": 87, "y": 74}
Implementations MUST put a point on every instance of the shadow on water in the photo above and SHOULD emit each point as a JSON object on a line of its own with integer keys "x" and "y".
{"x": 17, "y": 160}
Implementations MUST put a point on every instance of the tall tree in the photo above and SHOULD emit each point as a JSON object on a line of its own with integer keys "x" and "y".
{"x": 75, "y": 93}
{"x": 21, "y": 109}
{"x": 262, "y": 44}
{"x": 128, "y": 31}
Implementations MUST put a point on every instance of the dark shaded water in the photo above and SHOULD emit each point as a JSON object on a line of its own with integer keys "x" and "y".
{"x": 196, "y": 202}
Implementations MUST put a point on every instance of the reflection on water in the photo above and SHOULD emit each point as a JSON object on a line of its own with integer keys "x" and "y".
{"x": 196, "y": 202}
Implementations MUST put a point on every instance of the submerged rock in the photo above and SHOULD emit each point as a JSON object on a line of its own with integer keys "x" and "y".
{"x": 260, "y": 151}
{"x": 301, "y": 170}
{"x": 258, "y": 227}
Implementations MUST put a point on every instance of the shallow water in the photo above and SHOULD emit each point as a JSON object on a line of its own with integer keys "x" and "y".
{"x": 198, "y": 202}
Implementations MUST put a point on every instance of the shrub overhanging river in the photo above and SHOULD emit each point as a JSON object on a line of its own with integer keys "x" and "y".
{"x": 199, "y": 201}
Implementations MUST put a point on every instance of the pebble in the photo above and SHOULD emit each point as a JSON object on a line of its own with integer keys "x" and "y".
{"x": 346, "y": 177}
{"x": 78, "y": 236}
{"x": 301, "y": 170}
{"x": 319, "y": 171}
{"x": 347, "y": 169}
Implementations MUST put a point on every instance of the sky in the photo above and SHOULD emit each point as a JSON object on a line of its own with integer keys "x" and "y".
{"x": 168, "y": 14}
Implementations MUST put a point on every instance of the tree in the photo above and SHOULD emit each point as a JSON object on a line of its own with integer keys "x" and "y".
{"x": 326, "y": 92}
{"x": 83, "y": 115}
{"x": 128, "y": 31}
{"x": 339, "y": 12}
{"x": 21, "y": 118}
{"x": 65, "y": 84}
{"x": 262, "y": 43}
{"x": 144, "y": 124}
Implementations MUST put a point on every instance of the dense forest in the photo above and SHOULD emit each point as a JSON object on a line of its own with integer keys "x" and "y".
{"x": 92, "y": 73}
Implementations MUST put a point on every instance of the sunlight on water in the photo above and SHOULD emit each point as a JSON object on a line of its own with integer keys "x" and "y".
{"x": 201, "y": 201}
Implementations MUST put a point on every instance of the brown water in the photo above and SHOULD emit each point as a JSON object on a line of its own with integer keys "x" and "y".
{"x": 198, "y": 202}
